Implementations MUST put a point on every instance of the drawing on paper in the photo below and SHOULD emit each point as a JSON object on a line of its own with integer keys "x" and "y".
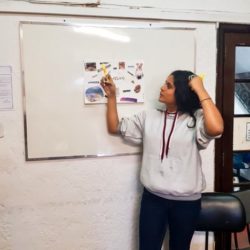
{"x": 128, "y": 77}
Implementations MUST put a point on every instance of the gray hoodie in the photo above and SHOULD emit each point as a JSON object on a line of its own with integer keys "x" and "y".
{"x": 171, "y": 165}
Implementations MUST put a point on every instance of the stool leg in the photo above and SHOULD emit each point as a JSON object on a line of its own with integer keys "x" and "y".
{"x": 206, "y": 240}
{"x": 248, "y": 233}
{"x": 236, "y": 241}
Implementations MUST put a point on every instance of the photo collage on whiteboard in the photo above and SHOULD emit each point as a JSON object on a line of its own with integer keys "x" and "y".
{"x": 127, "y": 76}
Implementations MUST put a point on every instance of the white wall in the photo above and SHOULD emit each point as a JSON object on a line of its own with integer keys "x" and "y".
{"x": 86, "y": 204}
{"x": 234, "y": 11}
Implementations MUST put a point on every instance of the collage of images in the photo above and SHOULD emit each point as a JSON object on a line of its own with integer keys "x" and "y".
{"x": 128, "y": 77}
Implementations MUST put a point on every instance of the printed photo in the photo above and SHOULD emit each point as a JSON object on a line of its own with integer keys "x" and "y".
{"x": 94, "y": 94}
{"x": 128, "y": 77}
{"x": 122, "y": 65}
{"x": 90, "y": 66}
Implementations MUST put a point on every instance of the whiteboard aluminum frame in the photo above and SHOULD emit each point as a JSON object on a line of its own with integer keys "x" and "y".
{"x": 146, "y": 25}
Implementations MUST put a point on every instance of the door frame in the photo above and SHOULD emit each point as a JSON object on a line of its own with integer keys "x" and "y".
{"x": 225, "y": 92}
{"x": 224, "y": 87}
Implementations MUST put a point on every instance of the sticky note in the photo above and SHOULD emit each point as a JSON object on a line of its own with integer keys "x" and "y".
{"x": 202, "y": 76}
{"x": 104, "y": 69}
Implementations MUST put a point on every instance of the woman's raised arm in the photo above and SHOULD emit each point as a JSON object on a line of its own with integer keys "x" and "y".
{"x": 212, "y": 118}
{"x": 112, "y": 114}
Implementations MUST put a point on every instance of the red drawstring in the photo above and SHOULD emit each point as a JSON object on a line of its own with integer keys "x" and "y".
{"x": 163, "y": 135}
{"x": 169, "y": 136}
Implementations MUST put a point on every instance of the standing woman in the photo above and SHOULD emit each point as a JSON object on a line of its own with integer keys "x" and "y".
{"x": 171, "y": 170}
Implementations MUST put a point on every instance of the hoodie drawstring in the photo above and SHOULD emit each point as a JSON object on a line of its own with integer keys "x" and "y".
{"x": 170, "y": 133}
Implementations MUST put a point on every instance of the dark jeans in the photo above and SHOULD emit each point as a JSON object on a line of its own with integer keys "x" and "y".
{"x": 158, "y": 213}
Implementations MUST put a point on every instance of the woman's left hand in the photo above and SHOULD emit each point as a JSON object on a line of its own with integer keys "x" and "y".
{"x": 212, "y": 118}
{"x": 196, "y": 84}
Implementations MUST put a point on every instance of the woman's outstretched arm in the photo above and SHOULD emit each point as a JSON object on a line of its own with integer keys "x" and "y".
{"x": 112, "y": 114}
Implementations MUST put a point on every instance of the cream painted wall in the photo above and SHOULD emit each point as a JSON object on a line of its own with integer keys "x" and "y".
{"x": 234, "y": 11}
{"x": 86, "y": 204}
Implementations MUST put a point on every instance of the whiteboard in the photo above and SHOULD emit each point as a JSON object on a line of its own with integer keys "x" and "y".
{"x": 57, "y": 122}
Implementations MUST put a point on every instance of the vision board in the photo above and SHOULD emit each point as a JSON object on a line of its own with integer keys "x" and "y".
{"x": 59, "y": 122}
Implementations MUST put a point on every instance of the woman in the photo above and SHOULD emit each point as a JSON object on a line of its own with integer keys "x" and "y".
{"x": 171, "y": 164}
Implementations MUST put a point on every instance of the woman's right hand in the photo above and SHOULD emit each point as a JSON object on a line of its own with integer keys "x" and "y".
{"x": 112, "y": 115}
{"x": 109, "y": 86}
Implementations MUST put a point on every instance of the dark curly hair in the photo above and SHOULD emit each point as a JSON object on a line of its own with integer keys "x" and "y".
{"x": 187, "y": 100}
